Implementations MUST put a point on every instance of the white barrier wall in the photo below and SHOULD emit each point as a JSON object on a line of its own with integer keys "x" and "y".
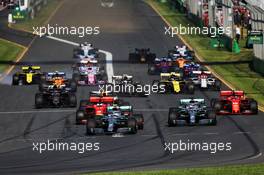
{"x": 194, "y": 6}
{"x": 257, "y": 16}
{"x": 259, "y": 3}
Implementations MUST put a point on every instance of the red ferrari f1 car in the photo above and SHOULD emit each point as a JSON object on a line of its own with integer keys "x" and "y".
{"x": 98, "y": 105}
{"x": 93, "y": 106}
{"x": 234, "y": 102}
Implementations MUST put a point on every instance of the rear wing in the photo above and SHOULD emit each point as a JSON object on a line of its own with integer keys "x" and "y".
{"x": 120, "y": 108}
{"x": 120, "y": 77}
{"x": 166, "y": 76}
{"x": 32, "y": 67}
{"x": 187, "y": 101}
{"x": 100, "y": 93}
{"x": 202, "y": 72}
{"x": 56, "y": 73}
{"x": 170, "y": 74}
{"x": 102, "y": 99}
{"x": 232, "y": 93}
{"x": 86, "y": 61}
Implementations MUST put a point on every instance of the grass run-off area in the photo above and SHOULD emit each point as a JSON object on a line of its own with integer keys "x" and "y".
{"x": 225, "y": 170}
{"x": 8, "y": 52}
{"x": 239, "y": 75}
{"x": 41, "y": 17}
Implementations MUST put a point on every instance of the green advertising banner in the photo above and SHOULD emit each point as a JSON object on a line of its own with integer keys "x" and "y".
{"x": 17, "y": 14}
{"x": 255, "y": 37}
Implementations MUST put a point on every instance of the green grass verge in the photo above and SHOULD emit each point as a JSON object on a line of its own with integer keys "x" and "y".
{"x": 239, "y": 75}
{"x": 8, "y": 52}
{"x": 257, "y": 169}
{"x": 40, "y": 19}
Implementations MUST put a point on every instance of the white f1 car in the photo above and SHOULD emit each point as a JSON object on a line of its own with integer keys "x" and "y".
{"x": 205, "y": 80}
{"x": 85, "y": 51}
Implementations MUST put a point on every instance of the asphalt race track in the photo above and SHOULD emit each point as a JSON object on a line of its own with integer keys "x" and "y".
{"x": 128, "y": 24}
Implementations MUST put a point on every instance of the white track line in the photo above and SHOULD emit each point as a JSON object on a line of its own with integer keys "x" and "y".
{"x": 255, "y": 157}
{"x": 240, "y": 132}
{"x": 108, "y": 56}
{"x": 109, "y": 65}
{"x": 32, "y": 112}
{"x": 63, "y": 40}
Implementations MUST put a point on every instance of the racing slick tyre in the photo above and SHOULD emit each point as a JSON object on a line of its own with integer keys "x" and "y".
{"x": 217, "y": 106}
{"x": 15, "y": 80}
{"x": 211, "y": 115}
{"x": 75, "y": 52}
{"x": 171, "y": 53}
{"x": 212, "y": 103}
{"x": 42, "y": 86}
{"x": 151, "y": 58}
{"x": 172, "y": 117}
{"x": 90, "y": 127}
{"x": 72, "y": 100}
{"x": 151, "y": 70}
{"x": 253, "y": 106}
{"x": 132, "y": 125}
{"x": 75, "y": 70}
{"x": 76, "y": 77}
{"x": 42, "y": 77}
{"x": 217, "y": 85}
{"x": 190, "y": 88}
{"x": 80, "y": 115}
{"x": 102, "y": 77}
{"x": 168, "y": 87}
{"x": 73, "y": 85}
{"x": 20, "y": 82}
{"x": 39, "y": 100}
{"x": 140, "y": 121}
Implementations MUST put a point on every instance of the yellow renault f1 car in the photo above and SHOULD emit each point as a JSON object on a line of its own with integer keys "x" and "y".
{"x": 173, "y": 83}
{"x": 28, "y": 75}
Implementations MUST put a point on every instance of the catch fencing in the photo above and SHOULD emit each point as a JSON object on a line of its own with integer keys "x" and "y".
{"x": 256, "y": 8}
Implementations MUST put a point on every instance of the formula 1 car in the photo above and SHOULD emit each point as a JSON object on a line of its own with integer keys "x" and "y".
{"x": 181, "y": 52}
{"x": 190, "y": 67}
{"x": 162, "y": 65}
{"x": 85, "y": 51}
{"x": 88, "y": 72}
{"x": 181, "y": 62}
{"x": 142, "y": 56}
{"x": 29, "y": 75}
{"x": 205, "y": 80}
{"x": 173, "y": 83}
{"x": 55, "y": 97}
{"x": 123, "y": 85}
{"x": 115, "y": 122}
{"x": 191, "y": 112}
{"x": 59, "y": 80}
{"x": 97, "y": 106}
{"x": 234, "y": 102}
